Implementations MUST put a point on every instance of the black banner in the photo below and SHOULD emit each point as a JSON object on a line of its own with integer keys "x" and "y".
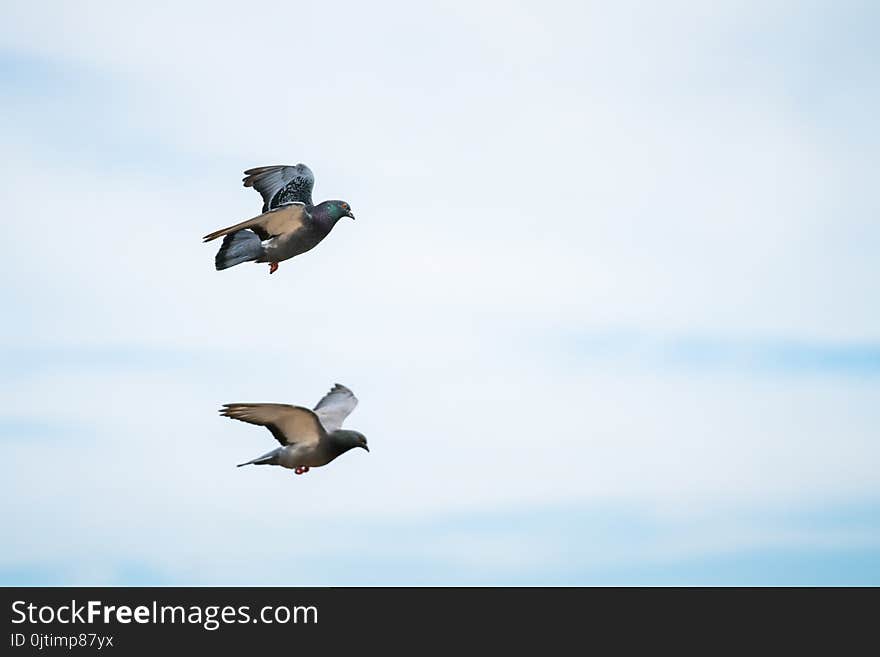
{"x": 127, "y": 621}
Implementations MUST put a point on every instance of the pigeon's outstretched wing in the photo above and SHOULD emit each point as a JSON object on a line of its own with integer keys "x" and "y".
{"x": 281, "y": 184}
{"x": 284, "y": 220}
{"x": 289, "y": 424}
{"x": 335, "y": 406}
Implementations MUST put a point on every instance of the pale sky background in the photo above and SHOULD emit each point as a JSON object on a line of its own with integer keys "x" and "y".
{"x": 610, "y": 304}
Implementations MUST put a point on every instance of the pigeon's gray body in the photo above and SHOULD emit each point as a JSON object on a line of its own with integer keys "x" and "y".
{"x": 309, "y": 438}
{"x": 315, "y": 227}
{"x": 281, "y": 185}
{"x": 310, "y": 456}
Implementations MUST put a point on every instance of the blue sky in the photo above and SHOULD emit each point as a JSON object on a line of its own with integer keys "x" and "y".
{"x": 609, "y": 303}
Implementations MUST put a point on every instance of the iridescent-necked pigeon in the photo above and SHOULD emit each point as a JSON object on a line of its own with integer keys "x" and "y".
{"x": 308, "y": 438}
{"x": 289, "y": 225}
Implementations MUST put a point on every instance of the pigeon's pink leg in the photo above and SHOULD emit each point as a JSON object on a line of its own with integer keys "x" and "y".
{"x": 273, "y": 267}
{"x": 305, "y": 469}
{"x": 298, "y": 470}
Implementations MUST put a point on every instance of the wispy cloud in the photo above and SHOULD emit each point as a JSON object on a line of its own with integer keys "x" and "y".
{"x": 719, "y": 354}
{"x": 822, "y": 545}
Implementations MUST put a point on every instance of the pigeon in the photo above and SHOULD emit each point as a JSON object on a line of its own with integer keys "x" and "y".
{"x": 290, "y": 223}
{"x": 309, "y": 438}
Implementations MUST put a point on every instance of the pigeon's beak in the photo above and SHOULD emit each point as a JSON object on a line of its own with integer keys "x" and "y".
{"x": 365, "y": 447}
{"x": 349, "y": 213}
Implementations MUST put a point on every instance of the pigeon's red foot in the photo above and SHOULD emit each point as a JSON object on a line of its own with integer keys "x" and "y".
{"x": 305, "y": 469}
{"x": 273, "y": 267}
{"x": 298, "y": 470}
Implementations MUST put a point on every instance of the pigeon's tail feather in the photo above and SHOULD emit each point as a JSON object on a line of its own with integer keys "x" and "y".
{"x": 270, "y": 458}
{"x": 254, "y": 462}
{"x": 238, "y": 247}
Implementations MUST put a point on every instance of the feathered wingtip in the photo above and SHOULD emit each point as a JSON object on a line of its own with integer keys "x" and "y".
{"x": 233, "y": 410}
{"x": 254, "y": 175}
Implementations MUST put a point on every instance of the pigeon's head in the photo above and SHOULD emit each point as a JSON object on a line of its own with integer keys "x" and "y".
{"x": 337, "y": 209}
{"x": 351, "y": 439}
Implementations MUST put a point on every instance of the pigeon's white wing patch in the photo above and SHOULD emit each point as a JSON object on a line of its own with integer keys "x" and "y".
{"x": 289, "y": 424}
{"x": 281, "y": 184}
{"x": 335, "y": 406}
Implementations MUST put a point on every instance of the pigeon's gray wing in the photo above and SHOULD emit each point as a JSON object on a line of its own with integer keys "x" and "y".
{"x": 289, "y": 424}
{"x": 286, "y": 220}
{"x": 335, "y": 406}
{"x": 281, "y": 184}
